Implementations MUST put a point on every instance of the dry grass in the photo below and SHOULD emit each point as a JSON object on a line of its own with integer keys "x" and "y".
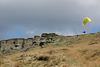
{"x": 1, "y": 59}
{"x": 17, "y": 64}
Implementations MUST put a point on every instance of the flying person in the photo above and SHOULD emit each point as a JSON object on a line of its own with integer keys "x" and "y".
{"x": 84, "y": 32}
{"x": 85, "y": 21}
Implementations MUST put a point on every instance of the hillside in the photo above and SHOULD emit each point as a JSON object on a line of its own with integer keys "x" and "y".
{"x": 61, "y": 51}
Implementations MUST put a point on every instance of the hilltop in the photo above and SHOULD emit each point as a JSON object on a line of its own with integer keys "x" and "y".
{"x": 52, "y": 50}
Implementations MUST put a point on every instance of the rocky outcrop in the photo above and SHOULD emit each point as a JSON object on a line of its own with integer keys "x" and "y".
{"x": 15, "y": 45}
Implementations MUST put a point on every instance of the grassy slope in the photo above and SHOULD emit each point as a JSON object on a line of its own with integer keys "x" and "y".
{"x": 83, "y": 51}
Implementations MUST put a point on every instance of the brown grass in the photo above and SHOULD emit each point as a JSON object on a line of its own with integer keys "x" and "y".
{"x": 1, "y": 59}
{"x": 17, "y": 64}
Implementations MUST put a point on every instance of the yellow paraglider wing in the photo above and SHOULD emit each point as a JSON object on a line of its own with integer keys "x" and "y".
{"x": 86, "y": 20}
{"x": 89, "y": 19}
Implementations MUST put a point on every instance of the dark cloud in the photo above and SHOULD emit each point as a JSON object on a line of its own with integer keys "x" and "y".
{"x": 61, "y": 16}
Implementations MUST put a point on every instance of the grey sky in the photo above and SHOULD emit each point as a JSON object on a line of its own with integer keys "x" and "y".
{"x": 38, "y": 16}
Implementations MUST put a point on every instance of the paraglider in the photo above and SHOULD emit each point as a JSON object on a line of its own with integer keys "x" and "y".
{"x": 85, "y": 21}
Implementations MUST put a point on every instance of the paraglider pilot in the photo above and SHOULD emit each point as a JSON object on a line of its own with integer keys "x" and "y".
{"x": 84, "y": 32}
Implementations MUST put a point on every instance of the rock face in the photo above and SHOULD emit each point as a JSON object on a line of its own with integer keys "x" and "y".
{"x": 15, "y": 45}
